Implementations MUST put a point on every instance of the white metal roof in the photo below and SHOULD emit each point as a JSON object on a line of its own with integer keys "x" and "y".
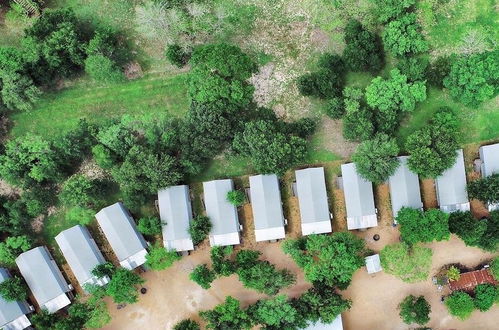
{"x": 490, "y": 159}
{"x": 451, "y": 187}
{"x": 12, "y": 313}
{"x": 337, "y": 324}
{"x": 121, "y": 232}
{"x": 82, "y": 254}
{"x": 404, "y": 188}
{"x": 176, "y": 214}
{"x": 373, "y": 264}
{"x": 44, "y": 278}
{"x": 312, "y": 199}
{"x": 359, "y": 199}
{"x": 267, "y": 208}
{"x": 222, "y": 214}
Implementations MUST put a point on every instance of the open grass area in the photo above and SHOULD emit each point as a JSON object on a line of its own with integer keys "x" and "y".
{"x": 59, "y": 111}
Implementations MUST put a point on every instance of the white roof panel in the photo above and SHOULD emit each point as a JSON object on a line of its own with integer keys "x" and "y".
{"x": 451, "y": 187}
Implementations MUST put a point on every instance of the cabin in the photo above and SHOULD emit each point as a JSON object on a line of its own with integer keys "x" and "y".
{"x": 373, "y": 264}
{"x": 359, "y": 199}
{"x": 175, "y": 212}
{"x": 268, "y": 217}
{"x": 404, "y": 188}
{"x": 44, "y": 279}
{"x": 121, "y": 232}
{"x": 451, "y": 187}
{"x": 13, "y": 313}
{"x": 489, "y": 155}
{"x": 312, "y": 200}
{"x": 82, "y": 254}
{"x": 223, "y": 215}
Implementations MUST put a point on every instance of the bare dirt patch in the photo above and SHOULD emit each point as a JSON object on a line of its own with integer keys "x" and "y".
{"x": 383, "y": 204}
{"x": 428, "y": 193}
{"x": 333, "y": 140}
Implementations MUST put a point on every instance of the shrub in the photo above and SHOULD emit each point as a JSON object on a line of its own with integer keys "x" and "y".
{"x": 160, "y": 258}
{"x": 485, "y": 296}
{"x": 203, "y": 276}
{"x": 410, "y": 264}
{"x": 335, "y": 108}
{"x": 80, "y": 215}
{"x": 460, "y": 304}
{"x": 149, "y": 226}
{"x": 236, "y": 197}
{"x": 414, "y": 310}
{"x": 199, "y": 228}
{"x": 221, "y": 264}
{"x": 122, "y": 287}
{"x": 103, "y": 69}
{"x": 453, "y": 274}
{"x": 176, "y": 55}
{"x": 13, "y": 289}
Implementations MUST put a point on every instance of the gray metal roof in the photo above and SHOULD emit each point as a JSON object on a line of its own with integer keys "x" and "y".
{"x": 451, "y": 187}
{"x": 176, "y": 214}
{"x": 81, "y": 253}
{"x": 10, "y": 310}
{"x": 222, "y": 214}
{"x": 404, "y": 188}
{"x": 359, "y": 198}
{"x": 266, "y": 201}
{"x": 120, "y": 231}
{"x": 42, "y": 275}
{"x": 490, "y": 159}
{"x": 337, "y": 324}
{"x": 373, "y": 264}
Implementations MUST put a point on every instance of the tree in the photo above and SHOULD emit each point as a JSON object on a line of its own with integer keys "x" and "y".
{"x": 222, "y": 266}
{"x": 122, "y": 286}
{"x": 417, "y": 226}
{"x": 199, "y": 228}
{"x": 263, "y": 277}
{"x": 13, "y": 289}
{"x": 176, "y": 55}
{"x": 363, "y": 50}
{"x": 79, "y": 190}
{"x": 414, "y": 310}
{"x": 432, "y": 149}
{"x": 149, "y": 226}
{"x": 236, "y": 197}
{"x": 103, "y": 270}
{"x": 358, "y": 121}
{"x": 438, "y": 71}
{"x": 14, "y": 218}
{"x": 473, "y": 79}
{"x": 203, "y": 276}
{"x": 277, "y": 313}
{"x": 18, "y": 92}
{"x": 410, "y": 264}
{"x": 460, "y": 304}
{"x": 269, "y": 148}
{"x": 330, "y": 259}
{"x": 494, "y": 268}
{"x": 103, "y": 156}
{"x": 335, "y": 108}
{"x": 160, "y": 258}
{"x": 485, "y": 296}
{"x": 453, "y": 274}
{"x": 228, "y": 315}
{"x": 376, "y": 159}
{"x": 485, "y": 189}
{"x": 414, "y": 68}
{"x": 490, "y": 238}
{"x": 390, "y": 9}
{"x": 12, "y": 247}
{"x": 186, "y": 325}
{"x": 327, "y": 81}
{"x": 44, "y": 320}
{"x": 103, "y": 69}
{"x": 80, "y": 215}
{"x": 403, "y": 36}
{"x": 28, "y": 160}
{"x": 469, "y": 229}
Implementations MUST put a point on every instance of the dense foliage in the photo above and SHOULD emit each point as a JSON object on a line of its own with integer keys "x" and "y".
{"x": 12, "y": 247}
{"x": 160, "y": 258}
{"x": 236, "y": 197}
{"x": 274, "y": 313}
{"x": 414, "y": 310}
{"x": 423, "y": 226}
{"x": 376, "y": 159}
{"x": 482, "y": 233}
{"x": 390, "y": 9}
{"x": 327, "y": 81}
{"x": 227, "y": 315}
{"x": 122, "y": 287}
{"x": 329, "y": 259}
{"x": 79, "y": 190}
{"x": 409, "y": 263}
{"x": 359, "y": 119}
{"x": 485, "y": 296}
{"x": 186, "y": 325}
{"x": 104, "y": 269}
{"x": 402, "y": 36}
{"x": 363, "y": 50}
{"x": 199, "y": 228}
{"x": 203, "y": 276}
{"x": 176, "y": 55}
{"x": 460, "y": 304}
{"x": 149, "y": 226}
{"x": 13, "y": 289}
{"x": 485, "y": 189}
{"x": 494, "y": 268}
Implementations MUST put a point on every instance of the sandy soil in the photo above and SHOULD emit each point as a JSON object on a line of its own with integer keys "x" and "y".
{"x": 428, "y": 193}
{"x": 334, "y": 140}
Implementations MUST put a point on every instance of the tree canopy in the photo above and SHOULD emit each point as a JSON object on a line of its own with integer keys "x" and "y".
{"x": 122, "y": 287}
{"x": 363, "y": 50}
{"x": 203, "y": 276}
{"x": 387, "y": 10}
{"x": 414, "y": 310}
{"x": 469, "y": 229}
{"x": 485, "y": 296}
{"x": 485, "y": 189}
{"x": 460, "y": 304}
{"x": 418, "y": 226}
{"x": 276, "y": 313}
{"x": 12, "y": 247}
{"x": 409, "y": 263}
{"x": 160, "y": 258}
{"x": 199, "y": 228}
{"x": 13, "y": 289}
{"x": 227, "y": 315}
{"x": 149, "y": 226}
{"x": 402, "y": 36}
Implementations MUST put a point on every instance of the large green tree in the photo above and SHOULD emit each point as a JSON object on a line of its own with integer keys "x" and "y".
{"x": 12, "y": 247}
{"x": 414, "y": 310}
{"x": 474, "y": 78}
{"x": 275, "y": 313}
{"x": 227, "y": 315}
{"x": 160, "y": 258}
{"x": 410, "y": 264}
{"x": 13, "y": 289}
{"x": 485, "y": 296}
{"x": 330, "y": 259}
{"x": 469, "y": 229}
{"x": 363, "y": 50}
{"x": 387, "y": 10}
{"x": 359, "y": 119}
{"x": 122, "y": 287}
{"x": 460, "y": 304}
{"x": 79, "y": 190}
{"x": 403, "y": 36}
{"x": 376, "y": 159}
{"x": 485, "y": 189}
{"x": 418, "y": 226}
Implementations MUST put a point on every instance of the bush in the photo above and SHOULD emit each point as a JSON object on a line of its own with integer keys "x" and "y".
{"x": 13, "y": 289}
{"x": 236, "y": 197}
{"x": 186, "y": 325}
{"x": 221, "y": 264}
{"x": 103, "y": 69}
{"x": 410, "y": 264}
{"x": 80, "y": 215}
{"x": 415, "y": 310}
{"x": 203, "y": 276}
{"x": 335, "y": 108}
{"x": 122, "y": 287}
{"x": 149, "y": 226}
{"x": 38, "y": 200}
{"x": 160, "y": 258}
{"x": 453, "y": 274}
{"x": 494, "y": 268}
{"x": 176, "y": 55}
{"x": 485, "y": 296}
{"x": 485, "y": 189}
{"x": 199, "y": 228}
{"x": 417, "y": 226}
{"x": 403, "y": 36}
{"x": 460, "y": 305}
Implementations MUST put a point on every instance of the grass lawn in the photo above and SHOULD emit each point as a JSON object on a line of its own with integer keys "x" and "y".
{"x": 59, "y": 111}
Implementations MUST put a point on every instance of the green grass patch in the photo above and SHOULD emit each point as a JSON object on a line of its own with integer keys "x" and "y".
{"x": 60, "y": 111}
{"x": 316, "y": 152}
{"x": 225, "y": 166}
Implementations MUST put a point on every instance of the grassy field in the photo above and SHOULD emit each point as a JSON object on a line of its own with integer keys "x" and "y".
{"x": 57, "y": 112}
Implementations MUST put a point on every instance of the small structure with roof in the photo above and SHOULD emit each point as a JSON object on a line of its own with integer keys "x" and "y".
{"x": 175, "y": 212}
{"x": 120, "y": 230}
{"x": 489, "y": 156}
{"x": 312, "y": 199}
{"x": 44, "y": 279}
{"x": 469, "y": 280}
{"x": 404, "y": 188}
{"x": 451, "y": 187}
{"x": 82, "y": 254}
{"x": 223, "y": 215}
{"x": 266, "y": 204}
{"x": 359, "y": 199}
{"x": 373, "y": 264}
{"x": 337, "y": 324}
{"x": 13, "y": 313}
